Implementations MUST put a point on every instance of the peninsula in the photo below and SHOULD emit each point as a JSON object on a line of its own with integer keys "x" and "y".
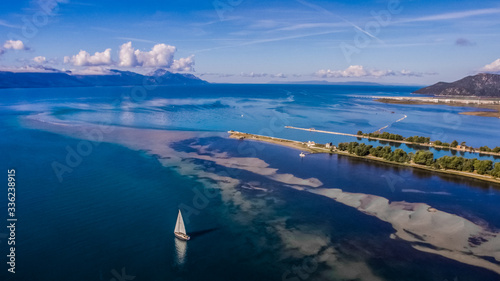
{"x": 479, "y": 85}
{"x": 480, "y": 91}
{"x": 489, "y": 107}
{"x": 414, "y": 140}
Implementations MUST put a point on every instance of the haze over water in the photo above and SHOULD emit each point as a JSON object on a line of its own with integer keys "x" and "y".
{"x": 254, "y": 211}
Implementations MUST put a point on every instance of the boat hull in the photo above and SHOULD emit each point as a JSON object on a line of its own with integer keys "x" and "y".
{"x": 182, "y": 236}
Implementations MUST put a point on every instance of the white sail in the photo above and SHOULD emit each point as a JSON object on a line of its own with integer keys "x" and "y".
{"x": 179, "y": 226}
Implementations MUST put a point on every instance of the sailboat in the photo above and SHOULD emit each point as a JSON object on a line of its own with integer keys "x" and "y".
{"x": 302, "y": 154}
{"x": 180, "y": 229}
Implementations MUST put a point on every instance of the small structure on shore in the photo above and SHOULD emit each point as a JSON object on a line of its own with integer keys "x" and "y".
{"x": 328, "y": 145}
{"x": 311, "y": 144}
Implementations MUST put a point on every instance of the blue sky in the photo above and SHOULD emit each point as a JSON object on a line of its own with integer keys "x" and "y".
{"x": 247, "y": 41}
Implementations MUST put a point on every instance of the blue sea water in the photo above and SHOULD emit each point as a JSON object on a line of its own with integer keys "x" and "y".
{"x": 116, "y": 210}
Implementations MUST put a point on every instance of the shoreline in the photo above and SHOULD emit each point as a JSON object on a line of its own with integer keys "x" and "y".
{"x": 315, "y": 150}
{"x": 493, "y": 105}
{"x": 430, "y": 145}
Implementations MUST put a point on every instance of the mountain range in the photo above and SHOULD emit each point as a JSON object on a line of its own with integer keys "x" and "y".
{"x": 55, "y": 78}
{"x": 480, "y": 85}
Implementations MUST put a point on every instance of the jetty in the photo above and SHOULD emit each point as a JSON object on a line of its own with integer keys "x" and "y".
{"x": 310, "y": 147}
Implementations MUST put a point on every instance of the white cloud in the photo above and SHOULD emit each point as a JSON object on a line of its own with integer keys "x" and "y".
{"x": 161, "y": 55}
{"x": 83, "y": 58}
{"x": 92, "y": 70}
{"x": 258, "y": 75}
{"x": 183, "y": 64}
{"x": 29, "y": 68}
{"x": 279, "y": 75}
{"x": 40, "y": 59}
{"x": 215, "y": 74}
{"x": 492, "y": 67}
{"x": 127, "y": 56}
{"x": 454, "y": 15}
{"x": 14, "y": 45}
{"x": 360, "y": 71}
{"x": 253, "y": 74}
{"x": 6, "y": 24}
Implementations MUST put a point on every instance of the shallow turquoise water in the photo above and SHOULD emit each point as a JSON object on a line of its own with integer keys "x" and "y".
{"x": 118, "y": 207}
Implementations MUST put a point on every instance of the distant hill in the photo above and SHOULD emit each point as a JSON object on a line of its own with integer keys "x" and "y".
{"x": 114, "y": 78}
{"x": 480, "y": 85}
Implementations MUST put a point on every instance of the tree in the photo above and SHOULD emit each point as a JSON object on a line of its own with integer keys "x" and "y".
{"x": 376, "y": 151}
{"x": 485, "y": 148}
{"x": 362, "y": 149}
{"x": 496, "y": 171}
{"x": 352, "y": 146}
{"x": 483, "y": 166}
{"x": 423, "y": 157}
{"x": 454, "y": 143}
{"x": 457, "y": 163}
{"x": 360, "y": 133}
{"x": 443, "y": 162}
{"x": 399, "y": 156}
{"x": 343, "y": 146}
{"x": 496, "y": 149}
{"x": 468, "y": 165}
{"x": 438, "y": 142}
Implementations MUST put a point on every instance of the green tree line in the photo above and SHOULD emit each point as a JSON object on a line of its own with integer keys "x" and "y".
{"x": 424, "y": 157}
{"x": 420, "y": 139}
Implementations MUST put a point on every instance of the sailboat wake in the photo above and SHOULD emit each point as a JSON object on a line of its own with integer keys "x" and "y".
{"x": 180, "y": 251}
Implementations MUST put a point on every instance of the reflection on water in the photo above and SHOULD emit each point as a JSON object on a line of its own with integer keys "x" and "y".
{"x": 180, "y": 251}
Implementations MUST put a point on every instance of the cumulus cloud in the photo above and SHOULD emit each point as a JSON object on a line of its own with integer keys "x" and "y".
{"x": 161, "y": 55}
{"x": 492, "y": 67}
{"x": 183, "y": 64}
{"x": 40, "y": 59}
{"x": 360, "y": 71}
{"x": 83, "y": 58}
{"x": 127, "y": 55}
{"x": 463, "y": 42}
{"x": 14, "y": 45}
